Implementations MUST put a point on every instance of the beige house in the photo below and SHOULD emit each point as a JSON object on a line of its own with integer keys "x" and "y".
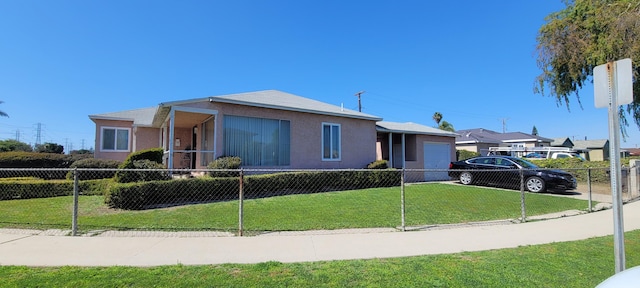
{"x": 266, "y": 129}
{"x": 598, "y": 150}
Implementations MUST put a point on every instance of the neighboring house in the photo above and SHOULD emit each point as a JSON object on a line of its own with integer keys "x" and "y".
{"x": 632, "y": 152}
{"x": 415, "y": 146}
{"x": 479, "y": 140}
{"x": 266, "y": 129}
{"x": 598, "y": 149}
{"x": 562, "y": 142}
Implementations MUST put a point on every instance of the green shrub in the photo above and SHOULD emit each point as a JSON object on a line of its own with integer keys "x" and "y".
{"x": 142, "y": 170}
{"x": 34, "y": 189}
{"x": 27, "y": 188}
{"x": 91, "y": 163}
{"x": 18, "y": 159}
{"x": 141, "y": 160}
{"x": 465, "y": 154}
{"x": 144, "y": 195}
{"x": 153, "y": 154}
{"x": 378, "y": 164}
{"x": 225, "y": 163}
{"x": 580, "y": 169}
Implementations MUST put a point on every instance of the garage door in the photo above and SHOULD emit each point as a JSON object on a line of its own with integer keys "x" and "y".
{"x": 436, "y": 156}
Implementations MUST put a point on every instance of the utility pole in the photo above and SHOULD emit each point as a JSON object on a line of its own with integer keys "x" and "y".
{"x": 359, "y": 100}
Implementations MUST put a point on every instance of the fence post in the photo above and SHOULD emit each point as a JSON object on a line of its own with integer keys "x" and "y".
{"x": 522, "y": 202}
{"x": 634, "y": 183}
{"x": 76, "y": 195}
{"x": 589, "y": 188}
{"x": 402, "y": 205}
{"x": 240, "y": 204}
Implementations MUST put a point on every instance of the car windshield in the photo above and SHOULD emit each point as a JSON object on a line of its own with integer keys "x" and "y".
{"x": 525, "y": 164}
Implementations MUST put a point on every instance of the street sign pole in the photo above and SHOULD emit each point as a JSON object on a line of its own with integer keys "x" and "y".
{"x": 616, "y": 187}
{"x": 612, "y": 84}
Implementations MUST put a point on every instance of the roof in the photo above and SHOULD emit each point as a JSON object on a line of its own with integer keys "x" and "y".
{"x": 563, "y": 142}
{"x": 591, "y": 144}
{"x": 481, "y": 135}
{"x": 411, "y": 128}
{"x": 273, "y": 99}
{"x": 139, "y": 117}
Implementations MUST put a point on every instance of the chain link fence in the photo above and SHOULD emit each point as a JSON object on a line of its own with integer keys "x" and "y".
{"x": 111, "y": 202}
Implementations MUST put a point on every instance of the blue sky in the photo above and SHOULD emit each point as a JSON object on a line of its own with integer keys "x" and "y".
{"x": 472, "y": 61}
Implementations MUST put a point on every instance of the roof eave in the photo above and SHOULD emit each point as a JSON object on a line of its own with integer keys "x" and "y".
{"x": 260, "y": 105}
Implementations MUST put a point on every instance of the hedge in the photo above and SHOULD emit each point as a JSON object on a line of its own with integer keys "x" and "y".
{"x": 141, "y": 195}
{"x": 103, "y": 169}
{"x": 144, "y": 195}
{"x": 37, "y": 188}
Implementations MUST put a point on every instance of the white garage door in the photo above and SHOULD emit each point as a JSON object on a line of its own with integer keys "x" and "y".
{"x": 436, "y": 156}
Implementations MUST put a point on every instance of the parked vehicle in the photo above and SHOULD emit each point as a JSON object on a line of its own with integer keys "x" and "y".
{"x": 554, "y": 155}
{"x": 506, "y": 171}
{"x": 535, "y": 153}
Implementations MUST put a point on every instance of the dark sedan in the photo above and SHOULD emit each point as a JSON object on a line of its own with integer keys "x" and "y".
{"x": 505, "y": 171}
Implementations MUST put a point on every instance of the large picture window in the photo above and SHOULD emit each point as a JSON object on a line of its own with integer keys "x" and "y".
{"x": 258, "y": 141}
{"x": 115, "y": 139}
{"x": 331, "y": 141}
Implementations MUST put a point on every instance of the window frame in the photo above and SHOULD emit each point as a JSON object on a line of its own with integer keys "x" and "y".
{"x": 331, "y": 141}
{"x": 115, "y": 139}
{"x": 259, "y": 156}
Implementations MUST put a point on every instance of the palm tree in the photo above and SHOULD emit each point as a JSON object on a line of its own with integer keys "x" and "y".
{"x": 446, "y": 126}
{"x": 437, "y": 117}
{"x": 2, "y": 112}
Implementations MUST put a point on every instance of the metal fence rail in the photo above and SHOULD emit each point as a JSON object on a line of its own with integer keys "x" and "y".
{"x": 247, "y": 202}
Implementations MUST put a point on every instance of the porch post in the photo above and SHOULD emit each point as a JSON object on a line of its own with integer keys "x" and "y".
{"x": 403, "y": 151}
{"x": 391, "y": 150}
{"x": 172, "y": 116}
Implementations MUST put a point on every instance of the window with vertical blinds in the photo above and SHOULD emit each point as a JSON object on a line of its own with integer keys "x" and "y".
{"x": 258, "y": 141}
{"x": 331, "y": 149}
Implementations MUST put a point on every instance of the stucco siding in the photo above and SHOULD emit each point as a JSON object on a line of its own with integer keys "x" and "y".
{"x": 420, "y": 140}
{"x": 358, "y": 137}
{"x": 102, "y": 154}
{"x": 146, "y": 138}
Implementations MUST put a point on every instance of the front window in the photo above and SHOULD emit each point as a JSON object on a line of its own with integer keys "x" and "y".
{"x": 257, "y": 141}
{"x": 331, "y": 141}
{"x": 115, "y": 139}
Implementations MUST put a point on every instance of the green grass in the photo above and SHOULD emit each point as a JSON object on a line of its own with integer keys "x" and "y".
{"x": 426, "y": 204}
{"x": 570, "y": 264}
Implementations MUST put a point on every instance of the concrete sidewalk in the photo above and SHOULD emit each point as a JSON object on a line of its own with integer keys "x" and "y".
{"x": 42, "y": 250}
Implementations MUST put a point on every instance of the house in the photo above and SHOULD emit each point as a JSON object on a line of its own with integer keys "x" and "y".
{"x": 415, "y": 146}
{"x": 562, "y": 142}
{"x": 266, "y": 129}
{"x": 598, "y": 150}
{"x": 479, "y": 140}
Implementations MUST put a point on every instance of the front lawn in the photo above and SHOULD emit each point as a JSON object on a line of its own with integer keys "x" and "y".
{"x": 426, "y": 204}
{"x": 569, "y": 264}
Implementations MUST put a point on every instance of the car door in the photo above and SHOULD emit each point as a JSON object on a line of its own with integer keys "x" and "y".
{"x": 508, "y": 172}
{"x": 482, "y": 167}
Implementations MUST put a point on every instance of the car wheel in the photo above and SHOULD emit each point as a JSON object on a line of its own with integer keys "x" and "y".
{"x": 535, "y": 184}
{"x": 466, "y": 178}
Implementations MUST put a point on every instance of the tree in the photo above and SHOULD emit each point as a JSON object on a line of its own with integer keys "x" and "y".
{"x": 14, "y": 145}
{"x": 585, "y": 34}
{"x": 50, "y": 148}
{"x": 446, "y": 126}
{"x": 534, "y": 131}
{"x": 2, "y": 112}
{"x": 437, "y": 117}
